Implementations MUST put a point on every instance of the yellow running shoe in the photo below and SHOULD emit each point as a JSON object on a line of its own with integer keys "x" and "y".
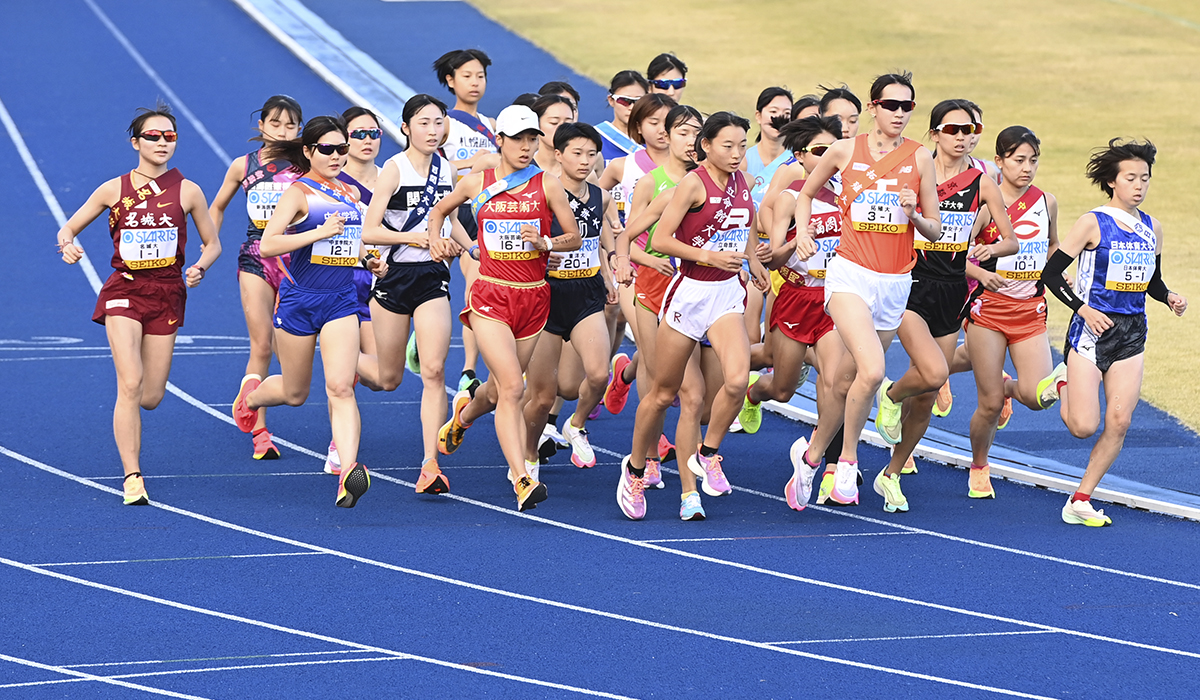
{"x": 979, "y": 484}
{"x": 823, "y": 493}
{"x": 450, "y": 435}
{"x": 910, "y": 466}
{"x": 887, "y": 420}
{"x": 352, "y": 484}
{"x": 1082, "y": 513}
{"x": 750, "y": 417}
{"x": 135, "y": 490}
{"x": 944, "y": 402}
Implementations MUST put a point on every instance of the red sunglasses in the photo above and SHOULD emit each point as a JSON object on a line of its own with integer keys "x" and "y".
{"x": 153, "y": 135}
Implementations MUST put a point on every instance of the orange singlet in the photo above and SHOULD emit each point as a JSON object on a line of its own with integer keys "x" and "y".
{"x": 877, "y": 234}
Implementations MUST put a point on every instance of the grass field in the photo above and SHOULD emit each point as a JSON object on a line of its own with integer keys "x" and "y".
{"x": 1077, "y": 72}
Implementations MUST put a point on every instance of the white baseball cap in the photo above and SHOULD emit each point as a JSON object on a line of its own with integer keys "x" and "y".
{"x": 515, "y": 119}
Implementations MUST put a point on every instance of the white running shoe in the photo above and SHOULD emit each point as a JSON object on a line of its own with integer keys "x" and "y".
{"x": 1082, "y": 513}
{"x": 845, "y": 483}
{"x": 551, "y": 431}
{"x": 799, "y": 489}
{"x": 333, "y": 462}
{"x": 582, "y": 454}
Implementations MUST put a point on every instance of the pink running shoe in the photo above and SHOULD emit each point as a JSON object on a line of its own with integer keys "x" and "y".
{"x": 631, "y": 495}
{"x": 709, "y": 469}
{"x": 617, "y": 392}
{"x": 654, "y": 474}
{"x": 666, "y": 450}
{"x": 244, "y": 416}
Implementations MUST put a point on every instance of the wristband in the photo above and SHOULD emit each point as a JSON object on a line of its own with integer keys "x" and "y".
{"x": 549, "y": 243}
{"x": 201, "y": 269}
{"x": 472, "y": 252}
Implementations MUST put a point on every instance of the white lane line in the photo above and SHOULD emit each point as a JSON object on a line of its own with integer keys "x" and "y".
{"x": 145, "y": 561}
{"x": 211, "y": 669}
{"x": 777, "y": 537}
{"x": 951, "y": 538}
{"x": 47, "y": 194}
{"x": 100, "y": 679}
{"x": 543, "y": 601}
{"x": 286, "y": 630}
{"x": 216, "y": 658}
{"x": 916, "y": 636}
{"x": 174, "y": 99}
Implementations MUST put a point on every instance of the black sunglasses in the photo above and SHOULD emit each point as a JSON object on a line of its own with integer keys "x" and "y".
{"x": 328, "y": 149}
{"x": 896, "y": 105}
{"x": 366, "y": 134}
{"x": 152, "y": 135}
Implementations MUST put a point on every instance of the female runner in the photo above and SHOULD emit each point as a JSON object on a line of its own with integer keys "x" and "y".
{"x": 654, "y": 272}
{"x": 712, "y": 215}
{"x": 884, "y": 177}
{"x": 508, "y": 305}
{"x": 580, "y": 288}
{"x": 647, "y": 119}
{"x": 937, "y": 303}
{"x": 318, "y": 219}
{"x": 263, "y": 181}
{"x": 1120, "y": 263}
{"x": 625, "y": 89}
{"x": 415, "y": 292}
{"x": 806, "y": 106}
{"x": 1009, "y": 312}
{"x": 798, "y": 320}
{"x": 141, "y": 304}
{"x": 469, "y": 136}
{"x": 667, "y": 75}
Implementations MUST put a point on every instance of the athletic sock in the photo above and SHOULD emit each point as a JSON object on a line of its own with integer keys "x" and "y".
{"x": 636, "y": 471}
{"x": 706, "y": 451}
{"x": 978, "y": 466}
{"x": 685, "y": 495}
{"x": 752, "y": 401}
{"x": 1081, "y": 496}
{"x": 809, "y": 463}
{"x": 468, "y": 373}
{"x": 834, "y": 451}
{"x": 552, "y": 420}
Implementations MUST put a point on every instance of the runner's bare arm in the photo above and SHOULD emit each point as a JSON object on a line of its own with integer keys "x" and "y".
{"x": 930, "y": 228}
{"x": 466, "y": 190}
{"x": 292, "y": 208}
{"x": 229, "y": 187}
{"x": 556, "y": 198}
{"x": 97, "y": 203}
{"x": 195, "y": 205}
{"x": 989, "y": 192}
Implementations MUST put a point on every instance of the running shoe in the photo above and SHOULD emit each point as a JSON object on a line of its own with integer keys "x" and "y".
{"x": 243, "y": 415}
{"x": 531, "y": 468}
{"x": 333, "y": 462}
{"x": 910, "y": 466}
{"x": 709, "y": 470}
{"x": 736, "y": 426}
{"x": 469, "y": 384}
{"x": 432, "y": 481}
{"x": 595, "y": 413}
{"x": 666, "y": 450}
{"x": 135, "y": 490}
{"x": 887, "y": 420}
{"x": 691, "y": 509}
{"x": 582, "y": 455}
{"x": 799, "y": 488}
{"x": 352, "y": 484}
{"x": 547, "y": 448}
{"x": 944, "y": 402}
{"x": 825, "y": 492}
{"x": 1006, "y": 410}
{"x": 631, "y": 492}
{"x": 616, "y": 394}
{"x": 979, "y": 483}
{"x": 888, "y": 486}
{"x": 263, "y": 447}
{"x": 450, "y": 435}
{"x": 750, "y": 417}
{"x": 551, "y": 431}
{"x": 845, "y": 484}
{"x": 805, "y": 369}
{"x": 411, "y": 360}
{"x": 653, "y": 474}
{"x": 1049, "y": 387}
{"x": 1082, "y": 513}
{"x": 529, "y": 493}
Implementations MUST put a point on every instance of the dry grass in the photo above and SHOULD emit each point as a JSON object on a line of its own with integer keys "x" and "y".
{"x": 1078, "y": 72}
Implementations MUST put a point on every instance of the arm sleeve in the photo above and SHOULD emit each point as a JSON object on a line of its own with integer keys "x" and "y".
{"x": 1158, "y": 289}
{"x": 1052, "y": 277}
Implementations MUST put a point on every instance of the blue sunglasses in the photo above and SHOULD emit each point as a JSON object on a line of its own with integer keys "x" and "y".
{"x": 677, "y": 84}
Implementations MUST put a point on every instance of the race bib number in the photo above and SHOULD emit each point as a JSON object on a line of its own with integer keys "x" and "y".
{"x": 339, "y": 251}
{"x": 1129, "y": 270}
{"x": 878, "y": 211}
{"x": 502, "y": 239}
{"x": 956, "y": 233}
{"x": 148, "y": 248}
{"x": 579, "y": 264}
{"x": 1027, "y": 264}
{"x": 729, "y": 241}
{"x": 261, "y": 201}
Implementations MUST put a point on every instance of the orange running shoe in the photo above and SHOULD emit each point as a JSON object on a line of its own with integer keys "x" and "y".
{"x": 263, "y": 447}
{"x": 432, "y": 481}
{"x": 666, "y": 450}
{"x": 529, "y": 493}
{"x": 944, "y": 402}
{"x": 450, "y": 435}
{"x": 244, "y": 416}
{"x": 1006, "y": 410}
{"x": 135, "y": 490}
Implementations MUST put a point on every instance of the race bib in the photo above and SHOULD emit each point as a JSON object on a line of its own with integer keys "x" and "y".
{"x": 579, "y": 264}
{"x": 502, "y": 239}
{"x": 1027, "y": 264}
{"x": 148, "y": 248}
{"x": 261, "y": 201}
{"x": 729, "y": 241}
{"x": 878, "y": 211}
{"x": 339, "y": 251}
{"x": 1129, "y": 270}
{"x": 956, "y": 233}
